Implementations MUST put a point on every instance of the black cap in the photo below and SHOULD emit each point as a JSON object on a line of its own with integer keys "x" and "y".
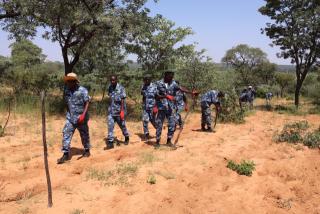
{"x": 169, "y": 71}
{"x": 147, "y": 76}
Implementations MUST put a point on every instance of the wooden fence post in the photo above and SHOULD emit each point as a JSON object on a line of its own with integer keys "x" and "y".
{"x": 45, "y": 149}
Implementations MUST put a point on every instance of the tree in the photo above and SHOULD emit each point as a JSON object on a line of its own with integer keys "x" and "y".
{"x": 5, "y": 64}
{"x": 284, "y": 80}
{"x": 156, "y": 43}
{"x": 265, "y": 72}
{"x": 9, "y": 9}
{"x": 196, "y": 70}
{"x": 73, "y": 24}
{"x": 15, "y": 18}
{"x": 26, "y": 54}
{"x": 101, "y": 59}
{"x": 27, "y": 59}
{"x": 245, "y": 60}
{"x": 296, "y": 30}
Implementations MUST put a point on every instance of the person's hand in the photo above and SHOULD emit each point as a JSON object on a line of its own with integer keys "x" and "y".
{"x": 219, "y": 109}
{"x": 81, "y": 118}
{"x": 186, "y": 108}
{"x": 169, "y": 97}
{"x": 195, "y": 93}
{"x": 155, "y": 110}
{"x": 122, "y": 115}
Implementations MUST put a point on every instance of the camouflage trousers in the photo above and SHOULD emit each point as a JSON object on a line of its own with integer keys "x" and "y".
{"x": 148, "y": 116}
{"x": 205, "y": 116}
{"x": 178, "y": 117}
{"x": 122, "y": 124}
{"x": 161, "y": 116}
{"x": 68, "y": 132}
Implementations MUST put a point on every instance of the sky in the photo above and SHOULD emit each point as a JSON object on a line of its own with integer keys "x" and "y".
{"x": 217, "y": 25}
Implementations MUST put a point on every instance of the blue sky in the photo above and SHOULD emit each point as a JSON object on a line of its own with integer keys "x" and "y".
{"x": 218, "y": 26}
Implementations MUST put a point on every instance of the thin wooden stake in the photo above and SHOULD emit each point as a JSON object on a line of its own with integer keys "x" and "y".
{"x": 45, "y": 149}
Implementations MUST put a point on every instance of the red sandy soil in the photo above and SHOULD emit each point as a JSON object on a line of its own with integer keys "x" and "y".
{"x": 192, "y": 179}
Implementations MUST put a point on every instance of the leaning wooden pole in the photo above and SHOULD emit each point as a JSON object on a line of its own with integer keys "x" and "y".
{"x": 45, "y": 149}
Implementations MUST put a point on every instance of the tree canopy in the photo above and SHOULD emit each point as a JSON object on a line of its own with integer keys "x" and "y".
{"x": 245, "y": 60}
{"x": 295, "y": 28}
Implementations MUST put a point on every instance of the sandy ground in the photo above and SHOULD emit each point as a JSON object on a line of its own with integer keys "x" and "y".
{"x": 192, "y": 179}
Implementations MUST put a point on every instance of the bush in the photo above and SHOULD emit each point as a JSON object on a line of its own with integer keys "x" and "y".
{"x": 55, "y": 105}
{"x": 262, "y": 90}
{"x": 152, "y": 179}
{"x": 292, "y": 132}
{"x": 244, "y": 168}
{"x": 230, "y": 110}
{"x": 300, "y": 125}
{"x": 288, "y": 110}
{"x": 312, "y": 139}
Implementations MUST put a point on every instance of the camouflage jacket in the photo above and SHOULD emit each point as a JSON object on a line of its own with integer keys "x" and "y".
{"x": 149, "y": 96}
{"x": 116, "y": 95}
{"x": 164, "y": 89}
{"x": 75, "y": 100}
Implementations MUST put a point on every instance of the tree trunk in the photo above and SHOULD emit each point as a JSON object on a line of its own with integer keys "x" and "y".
{"x": 297, "y": 93}
{"x": 45, "y": 149}
{"x": 67, "y": 65}
{"x": 67, "y": 68}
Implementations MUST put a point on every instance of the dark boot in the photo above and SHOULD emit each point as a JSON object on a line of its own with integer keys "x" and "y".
{"x": 147, "y": 136}
{"x": 86, "y": 153}
{"x": 157, "y": 145}
{"x": 109, "y": 145}
{"x": 203, "y": 128}
{"x": 63, "y": 159}
{"x": 209, "y": 129}
{"x": 169, "y": 143}
{"x": 126, "y": 140}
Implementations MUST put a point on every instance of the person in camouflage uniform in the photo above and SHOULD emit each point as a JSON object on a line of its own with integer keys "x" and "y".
{"x": 77, "y": 100}
{"x": 269, "y": 96}
{"x": 207, "y": 99}
{"x": 181, "y": 104}
{"x": 149, "y": 109}
{"x": 165, "y": 101}
{"x": 116, "y": 111}
{"x": 250, "y": 96}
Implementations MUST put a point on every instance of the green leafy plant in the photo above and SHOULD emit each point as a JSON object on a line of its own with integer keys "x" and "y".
{"x": 244, "y": 168}
{"x": 312, "y": 139}
{"x": 152, "y": 179}
{"x": 77, "y": 211}
{"x": 292, "y": 132}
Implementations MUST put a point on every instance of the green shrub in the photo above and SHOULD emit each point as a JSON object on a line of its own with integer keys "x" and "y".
{"x": 262, "y": 90}
{"x": 244, "y": 168}
{"x": 55, "y": 105}
{"x": 288, "y": 110}
{"x": 312, "y": 139}
{"x": 230, "y": 109}
{"x": 292, "y": 132}
{"x": 152, "y": 179}
{"x": 299, "y": 125}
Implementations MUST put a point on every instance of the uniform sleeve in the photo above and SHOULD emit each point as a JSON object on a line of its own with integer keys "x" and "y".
{"x": 177, "y": 87}
{"x": 123, "y": 93}
{"x": 157, "y": 89}
{"x": 86, "y": 96}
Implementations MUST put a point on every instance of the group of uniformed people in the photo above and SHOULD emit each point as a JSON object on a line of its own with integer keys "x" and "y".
{"x": 163, "y": 99}
{"x": 247, "y": 96}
